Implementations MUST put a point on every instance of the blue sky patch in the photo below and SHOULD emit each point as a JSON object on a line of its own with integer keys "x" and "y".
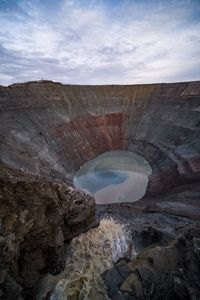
{"x": 99, "y": 42}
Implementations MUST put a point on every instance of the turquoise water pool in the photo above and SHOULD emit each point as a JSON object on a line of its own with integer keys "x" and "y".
{"x": 114, "y": 177}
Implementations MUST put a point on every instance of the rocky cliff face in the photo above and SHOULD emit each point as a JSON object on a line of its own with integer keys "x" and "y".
{"x": 52, "y": 129}
{"x": 37, "y": 219}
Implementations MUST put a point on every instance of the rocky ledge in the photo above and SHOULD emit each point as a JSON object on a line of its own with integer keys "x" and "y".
{"x": 38, "y": 218}
{"x": 167, "y": 271}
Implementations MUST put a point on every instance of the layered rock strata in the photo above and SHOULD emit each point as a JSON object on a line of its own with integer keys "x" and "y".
{"x": 52, "y": 129}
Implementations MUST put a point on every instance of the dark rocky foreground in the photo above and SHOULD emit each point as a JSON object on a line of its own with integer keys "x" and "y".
{"x": 167, "y": 246}
{"x": 38, "y": 218}
{"x": 48, "y": 130}
{"x": 165, "y": 270}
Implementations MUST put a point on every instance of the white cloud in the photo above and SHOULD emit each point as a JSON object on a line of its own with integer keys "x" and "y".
{"x": 100, "y": 44}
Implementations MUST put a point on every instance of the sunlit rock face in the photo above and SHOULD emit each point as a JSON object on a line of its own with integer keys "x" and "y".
{"x": 114, "y": 177}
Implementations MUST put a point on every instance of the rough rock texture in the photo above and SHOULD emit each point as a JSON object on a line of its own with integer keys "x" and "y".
{"x": 168, "y": 271}
{"x": 50, "y": 129}
{"x": 37, "y": 218}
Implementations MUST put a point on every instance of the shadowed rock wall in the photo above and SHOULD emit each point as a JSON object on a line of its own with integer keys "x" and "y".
{"x": 37, "y": 219}
{"x": 52, "y": 129}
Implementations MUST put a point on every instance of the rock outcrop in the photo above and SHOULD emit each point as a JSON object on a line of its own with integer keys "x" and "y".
{"x": 38, "y": 218}
{"x": 168, "y": 271}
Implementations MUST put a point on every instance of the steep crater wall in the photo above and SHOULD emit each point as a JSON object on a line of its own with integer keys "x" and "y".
{"x": 52, "y": 129}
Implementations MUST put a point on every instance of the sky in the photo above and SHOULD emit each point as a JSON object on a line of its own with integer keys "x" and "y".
{"x": 99, "y": 41}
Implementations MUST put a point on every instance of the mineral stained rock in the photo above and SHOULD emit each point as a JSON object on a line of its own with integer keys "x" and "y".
{"x": 50, "y": 130}
{"x": 37, "y": 218}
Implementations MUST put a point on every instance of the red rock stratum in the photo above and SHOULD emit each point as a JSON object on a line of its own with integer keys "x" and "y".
{"x": 51, "y": 129}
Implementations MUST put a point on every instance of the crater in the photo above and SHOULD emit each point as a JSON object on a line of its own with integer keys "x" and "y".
{"x": 114, "y": 177}
{"x": 135, "y": 147}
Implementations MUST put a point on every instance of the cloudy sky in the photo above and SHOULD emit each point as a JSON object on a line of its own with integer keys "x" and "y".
{"x": 99, "y": 41}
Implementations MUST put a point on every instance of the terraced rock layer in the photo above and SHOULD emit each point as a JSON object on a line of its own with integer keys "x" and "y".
{"x": 52, "y": 129}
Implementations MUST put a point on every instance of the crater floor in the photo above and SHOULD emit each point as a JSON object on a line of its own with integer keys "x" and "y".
{"x": 50, "y": 129}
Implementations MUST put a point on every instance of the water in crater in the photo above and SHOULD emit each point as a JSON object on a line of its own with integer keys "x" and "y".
{"x": 114, "y": 177}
